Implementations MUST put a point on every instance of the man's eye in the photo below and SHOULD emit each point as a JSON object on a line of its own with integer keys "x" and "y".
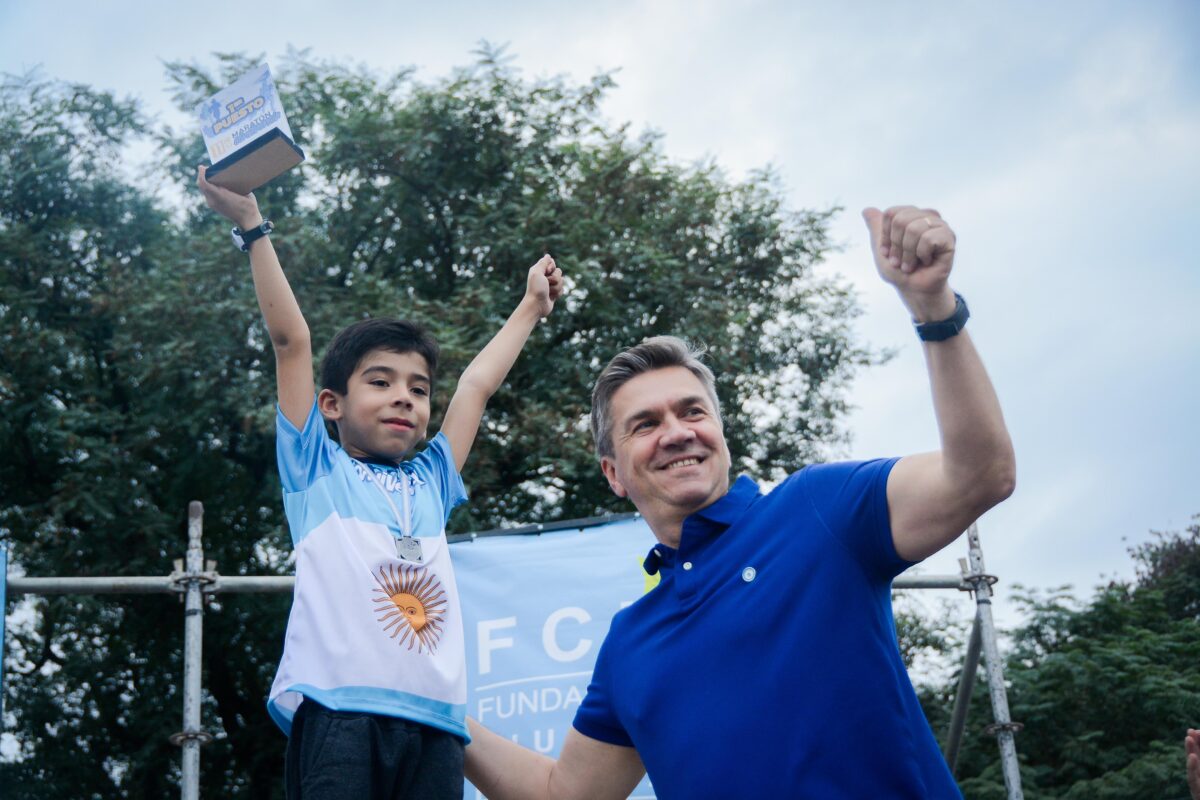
{"x": 694, "y": 411}
{"x": 644, "y": 425}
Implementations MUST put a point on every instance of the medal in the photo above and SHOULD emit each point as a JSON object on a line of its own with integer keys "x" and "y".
{"x": 408, "y": 548}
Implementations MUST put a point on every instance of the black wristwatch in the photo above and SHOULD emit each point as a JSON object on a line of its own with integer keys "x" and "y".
{"x": 243, "y": 239}
{"x": 940, "y": 331}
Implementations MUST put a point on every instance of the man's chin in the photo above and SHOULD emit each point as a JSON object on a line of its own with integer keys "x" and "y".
{"x": 694, "y": 499}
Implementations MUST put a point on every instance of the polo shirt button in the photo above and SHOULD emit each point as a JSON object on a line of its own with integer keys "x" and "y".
{"x": 749, "y": 574}
{"x": 687, "y": 565}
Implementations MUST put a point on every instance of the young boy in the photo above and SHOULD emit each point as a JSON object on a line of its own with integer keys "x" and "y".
{"x": 371, "y": 688}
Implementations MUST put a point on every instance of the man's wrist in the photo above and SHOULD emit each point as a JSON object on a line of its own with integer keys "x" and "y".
{"x": 943, "y": 329}
{"x": 931, "y": 308}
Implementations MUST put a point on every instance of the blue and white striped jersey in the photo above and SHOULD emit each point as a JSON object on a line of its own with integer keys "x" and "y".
{"x": 369, "y": 631}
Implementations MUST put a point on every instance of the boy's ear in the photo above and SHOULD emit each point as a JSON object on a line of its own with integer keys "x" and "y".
{"x": 329, "y": 403}
{"x": 609, "y": 468}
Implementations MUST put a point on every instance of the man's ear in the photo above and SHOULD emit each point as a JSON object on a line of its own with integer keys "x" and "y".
{"x": 329, "y": 403}
{"x": 609, "y": 468}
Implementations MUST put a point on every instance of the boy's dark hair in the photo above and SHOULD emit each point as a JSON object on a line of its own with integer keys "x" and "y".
{"x": 381, "y": 333}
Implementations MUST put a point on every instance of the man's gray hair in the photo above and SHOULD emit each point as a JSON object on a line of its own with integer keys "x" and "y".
{"x": 658, "y": 352}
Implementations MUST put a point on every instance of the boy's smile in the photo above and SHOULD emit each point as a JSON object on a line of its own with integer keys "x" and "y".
{"x": 385, "y": 410}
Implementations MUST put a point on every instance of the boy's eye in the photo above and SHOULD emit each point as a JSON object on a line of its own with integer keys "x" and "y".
{"x": 380, "y": 382}
{"x": 420, "y": 390}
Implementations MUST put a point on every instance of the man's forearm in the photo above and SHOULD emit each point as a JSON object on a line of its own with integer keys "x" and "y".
{"x": 975, "y": 446}
{"x": 977, "y": 452}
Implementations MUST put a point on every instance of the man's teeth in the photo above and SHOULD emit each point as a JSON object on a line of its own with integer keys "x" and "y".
{"x": 687, "y": 462}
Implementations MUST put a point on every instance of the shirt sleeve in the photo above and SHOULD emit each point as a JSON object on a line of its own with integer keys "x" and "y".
{"x": 595, "y": 717}
{"x": 303, "y": 455}
{"x": 850, "y": 498}
{"x": 435, "y": 464}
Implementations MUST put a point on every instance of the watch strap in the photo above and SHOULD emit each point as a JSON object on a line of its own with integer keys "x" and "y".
{"x": 243, "y": 239}
{"x": 944, "y": 329}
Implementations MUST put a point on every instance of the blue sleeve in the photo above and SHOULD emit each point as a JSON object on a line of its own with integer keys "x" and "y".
{"x": 303, "y": 455}
{"x": 850, "y": 499}
{"x": 595, "y": 717}
{"x": 435, "y": 465}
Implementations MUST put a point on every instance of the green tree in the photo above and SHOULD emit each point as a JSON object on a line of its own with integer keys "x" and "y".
{"x": 1106, "y": 689}
{"x": 136, "y": 375}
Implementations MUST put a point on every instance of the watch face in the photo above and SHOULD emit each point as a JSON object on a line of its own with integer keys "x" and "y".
{"x": 238, "y": 242}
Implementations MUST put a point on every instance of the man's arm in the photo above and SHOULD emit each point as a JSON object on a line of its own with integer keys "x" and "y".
{"x": 934, "y": 497}
{"x": 1191, "y": 749}
{"x": 281, "y": 313}
{"x": 487, "y": 371}
{"x": 587, "y": 769}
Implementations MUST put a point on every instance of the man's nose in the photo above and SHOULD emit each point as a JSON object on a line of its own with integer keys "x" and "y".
{"x": 674, "y": 432}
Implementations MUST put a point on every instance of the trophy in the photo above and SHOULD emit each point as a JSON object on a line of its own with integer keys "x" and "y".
{"x": 247, "y": 134}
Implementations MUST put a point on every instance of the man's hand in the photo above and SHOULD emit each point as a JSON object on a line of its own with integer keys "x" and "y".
{"x": 1191, "y": 746}
{"x": 240, "y": 209}
{"x": 914, "y": 251}
{"x": 544, "y": 286}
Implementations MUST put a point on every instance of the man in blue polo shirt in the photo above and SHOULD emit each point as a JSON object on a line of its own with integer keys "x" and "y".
{"x": 765, "y": 663}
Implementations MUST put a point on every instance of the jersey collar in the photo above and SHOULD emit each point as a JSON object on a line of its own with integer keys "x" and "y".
{"x": 379, "y": 462}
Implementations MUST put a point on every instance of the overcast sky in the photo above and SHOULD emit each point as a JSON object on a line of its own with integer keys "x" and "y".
{"x": 1060, "y": 140}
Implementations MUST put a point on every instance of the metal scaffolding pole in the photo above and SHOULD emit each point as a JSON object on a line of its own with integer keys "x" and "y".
{"x": 193, "y": 581}
{"x": 962, "y": 700}
{"x": 1003, "y": 728}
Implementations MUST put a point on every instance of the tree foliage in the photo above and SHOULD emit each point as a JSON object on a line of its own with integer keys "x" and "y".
{"x": 1105, "y": 690}
{"x": 135, "y": 374}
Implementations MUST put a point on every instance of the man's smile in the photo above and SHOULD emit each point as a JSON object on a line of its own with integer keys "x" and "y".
{"x": 687, "y": 461}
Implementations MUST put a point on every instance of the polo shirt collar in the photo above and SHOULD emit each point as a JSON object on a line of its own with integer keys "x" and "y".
{"x": 732, "y": 505}
{"x": 710, "y": 520}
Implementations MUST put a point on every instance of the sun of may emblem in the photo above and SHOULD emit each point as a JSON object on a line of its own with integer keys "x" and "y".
{"x": 412, "y": 607}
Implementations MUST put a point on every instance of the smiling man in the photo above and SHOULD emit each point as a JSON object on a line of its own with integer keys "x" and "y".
{"x": 765, "y": 663}
{"x": 666, "y": 451}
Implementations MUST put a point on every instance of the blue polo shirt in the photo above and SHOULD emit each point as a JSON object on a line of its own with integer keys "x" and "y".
{"x": 765, "y": 663}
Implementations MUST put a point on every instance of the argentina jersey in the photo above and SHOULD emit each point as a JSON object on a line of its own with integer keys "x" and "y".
{"x": 368, "y": 630}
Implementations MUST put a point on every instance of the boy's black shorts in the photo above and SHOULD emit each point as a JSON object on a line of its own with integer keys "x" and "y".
{"x": 333, "y": 755}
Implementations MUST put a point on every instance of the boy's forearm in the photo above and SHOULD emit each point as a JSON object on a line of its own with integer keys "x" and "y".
{"x": 489, "y": 369}
{"x": 501, "y": 768}
{"x": 281, "y": 313}
{"x": 483, "y": 377}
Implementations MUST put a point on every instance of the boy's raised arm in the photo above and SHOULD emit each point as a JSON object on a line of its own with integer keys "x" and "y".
{"x": 281, "y": 313}
{"x": 487, "y": 371}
